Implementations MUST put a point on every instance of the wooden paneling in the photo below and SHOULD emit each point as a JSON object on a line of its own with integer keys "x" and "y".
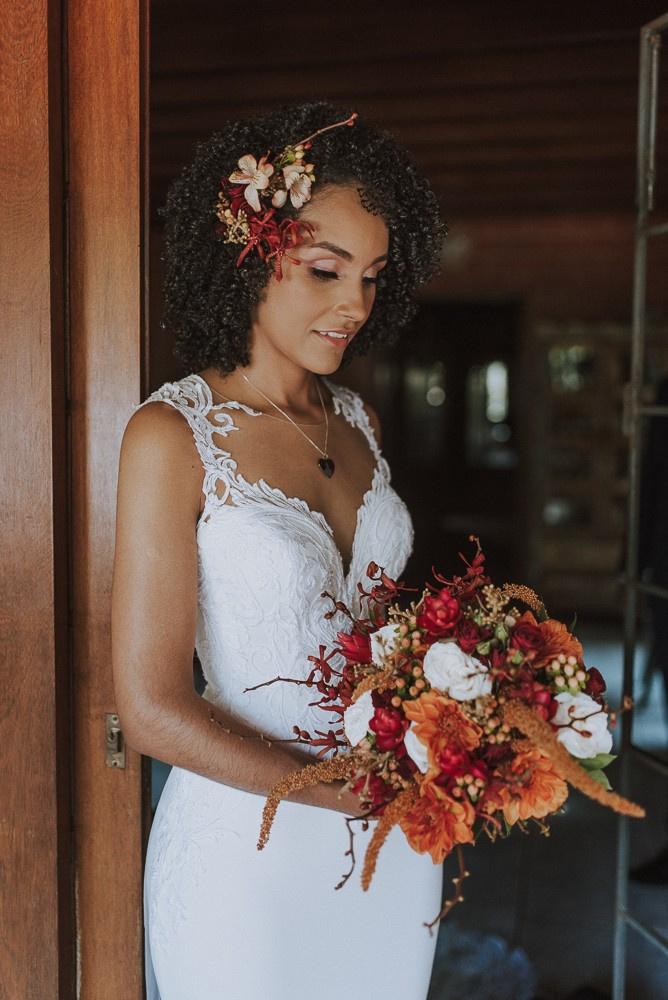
{"x": 508, "y": 109}
{"x": 37, "y": 939}
{"x": 106, "y": 92}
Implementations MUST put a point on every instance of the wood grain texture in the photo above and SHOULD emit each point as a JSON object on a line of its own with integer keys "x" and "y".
{"x": 36, "y": 942}
{"x": 106, "y": 59}
{"x": 508, "y": 109}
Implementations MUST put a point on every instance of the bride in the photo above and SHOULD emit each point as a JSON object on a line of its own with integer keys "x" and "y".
{"x": 247, "y": 489}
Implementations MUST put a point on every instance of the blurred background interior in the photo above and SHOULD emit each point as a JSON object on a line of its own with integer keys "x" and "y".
{"x": 504, "y": 409}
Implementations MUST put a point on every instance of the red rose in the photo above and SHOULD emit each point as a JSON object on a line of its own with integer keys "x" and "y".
{"x": 453, "y": 762}
{"x": 389, "y": 725}
{"x": 526, "y": 636}
{"x": 371, "y": 789}
{"x": 439, "y": 613}
{"x": 467, "y": 635}
{"x": 595, "y": 685}
{"x": 356, "y": 646}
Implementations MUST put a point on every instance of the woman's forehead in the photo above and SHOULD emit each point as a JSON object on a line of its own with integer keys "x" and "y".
{"x": 339, "y": 218}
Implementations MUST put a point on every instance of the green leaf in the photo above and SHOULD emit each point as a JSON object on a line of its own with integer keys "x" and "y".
{"x": 597, "y": 762}
{"x": 601, "y": 777}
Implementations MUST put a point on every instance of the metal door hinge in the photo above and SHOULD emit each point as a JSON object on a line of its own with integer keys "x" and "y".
{"x": 115, "y": 756}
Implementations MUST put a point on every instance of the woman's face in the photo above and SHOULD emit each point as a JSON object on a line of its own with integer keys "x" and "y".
{"x": 332, "y": 289}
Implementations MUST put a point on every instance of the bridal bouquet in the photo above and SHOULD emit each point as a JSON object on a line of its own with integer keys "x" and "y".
{"x": 459, "y": 715}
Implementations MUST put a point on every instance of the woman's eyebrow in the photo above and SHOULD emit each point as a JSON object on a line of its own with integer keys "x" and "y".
{"x": 340, "y": 252}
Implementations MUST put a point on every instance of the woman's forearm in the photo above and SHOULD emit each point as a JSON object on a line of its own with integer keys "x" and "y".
{"x": 181, "y": 732}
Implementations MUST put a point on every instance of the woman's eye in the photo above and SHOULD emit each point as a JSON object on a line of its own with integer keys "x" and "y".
{"x": 322, "y": 275}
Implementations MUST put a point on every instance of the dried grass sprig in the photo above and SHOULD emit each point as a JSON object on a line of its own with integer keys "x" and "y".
{"x": 380, "y": 680}
{"x": 457, "y": 898}
{"x": 527, "y": 596}
{"x": 519, "y": 715}
{"x": 394, "y": 810}
{"x": 312, "y": 774}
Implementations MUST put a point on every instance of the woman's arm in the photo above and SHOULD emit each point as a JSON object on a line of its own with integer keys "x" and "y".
{"x": 154, "y": 617}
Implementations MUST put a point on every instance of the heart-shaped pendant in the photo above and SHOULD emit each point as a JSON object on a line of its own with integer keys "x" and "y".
{"x": 327, "y": 466}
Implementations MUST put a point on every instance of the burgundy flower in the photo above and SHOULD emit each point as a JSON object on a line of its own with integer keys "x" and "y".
{"x": 389, "y": 725}
{"x": 595, "y": 685}
{"x": 455, "y": 763}
{"x": 533, "y": 693}
{"x": 355, "y": 646}
{"x": 372, "y": 789}
{"x": 236, "y": 195}
{"x": 467, "y": 634}
{"x": 439, "y": 613}
{"x": 526, "y": 636}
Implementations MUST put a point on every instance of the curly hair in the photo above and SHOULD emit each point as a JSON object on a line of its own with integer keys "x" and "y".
{"x": 208, "y": 301}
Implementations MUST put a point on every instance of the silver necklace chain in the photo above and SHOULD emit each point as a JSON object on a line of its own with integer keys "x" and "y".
{"x": 287, "y": 415}
{"x": 270, "y": 416}
{"x": 317, "y": 385}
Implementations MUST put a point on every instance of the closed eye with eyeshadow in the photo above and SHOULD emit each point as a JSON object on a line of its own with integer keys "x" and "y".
{"x": 322, "y": 275}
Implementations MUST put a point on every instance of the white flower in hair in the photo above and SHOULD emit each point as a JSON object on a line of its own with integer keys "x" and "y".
{"x": 279, "y": 198}
{"x": 298, "y": 180}
{"x": 255, "y": 176}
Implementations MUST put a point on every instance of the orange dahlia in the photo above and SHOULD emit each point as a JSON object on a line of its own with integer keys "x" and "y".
{"x": 437, "y": 823}
{"x": 557, "y": 639}
{"x": 532, "y": 788}
{"x": 439, "y": 721}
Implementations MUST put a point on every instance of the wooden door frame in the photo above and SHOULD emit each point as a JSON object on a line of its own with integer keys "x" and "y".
{"x": 37, "y": 956}
{"x": 73, "y": 300}
{"x": 107, "y": 52}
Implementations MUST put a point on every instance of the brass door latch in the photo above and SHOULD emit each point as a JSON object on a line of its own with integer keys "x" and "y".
{"x": 115, "y": 755}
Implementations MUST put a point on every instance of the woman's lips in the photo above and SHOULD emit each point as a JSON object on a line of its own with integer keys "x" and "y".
{"x": 339, "y": 341}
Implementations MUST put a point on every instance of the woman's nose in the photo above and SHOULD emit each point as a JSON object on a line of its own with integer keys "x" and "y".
{"x": 353, "y": 306}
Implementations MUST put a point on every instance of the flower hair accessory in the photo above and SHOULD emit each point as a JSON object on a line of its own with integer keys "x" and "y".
{"x": 242, "y": 217}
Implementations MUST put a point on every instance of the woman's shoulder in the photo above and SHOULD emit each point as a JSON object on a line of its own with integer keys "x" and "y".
{"x": 157, "y": 427}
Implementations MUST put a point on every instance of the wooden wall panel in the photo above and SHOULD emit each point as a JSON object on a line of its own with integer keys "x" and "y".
{"x": 106, "y": 94}
{"x": 36, "y": 940}
{"x": 509, "y": 109}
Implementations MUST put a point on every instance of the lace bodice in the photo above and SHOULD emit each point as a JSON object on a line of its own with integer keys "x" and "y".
{"x": 264, "y": 561}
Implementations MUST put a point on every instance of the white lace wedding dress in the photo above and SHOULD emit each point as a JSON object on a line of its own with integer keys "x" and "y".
{"x": 223, "y": 920}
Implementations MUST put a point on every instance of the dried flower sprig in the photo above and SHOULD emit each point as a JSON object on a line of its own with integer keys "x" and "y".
{"x": 312, "y": 774}
{"x": 458, "y": 880}
{"x": 394, "y": 810}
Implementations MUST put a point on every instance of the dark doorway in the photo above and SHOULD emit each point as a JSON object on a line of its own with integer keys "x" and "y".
{"x": 450, "y": 395}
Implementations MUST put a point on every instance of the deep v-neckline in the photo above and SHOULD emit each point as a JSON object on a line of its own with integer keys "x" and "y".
{"x": 261, "y": 487}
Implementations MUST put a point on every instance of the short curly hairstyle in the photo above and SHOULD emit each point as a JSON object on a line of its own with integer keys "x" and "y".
{"x": 208, "y": 301}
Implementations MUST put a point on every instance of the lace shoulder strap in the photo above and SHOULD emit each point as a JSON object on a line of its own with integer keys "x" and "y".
{"x": 351, "y": 405}
{"x": 192, "y": 398}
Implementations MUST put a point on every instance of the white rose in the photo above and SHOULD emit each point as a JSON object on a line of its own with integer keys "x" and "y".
{"x": 384, "y": 640}
{"x": 357, "y": 717}
{"x": 584, "y": 724}
{"x": 416, "y": 749}
{"x": 456, "y": 673}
